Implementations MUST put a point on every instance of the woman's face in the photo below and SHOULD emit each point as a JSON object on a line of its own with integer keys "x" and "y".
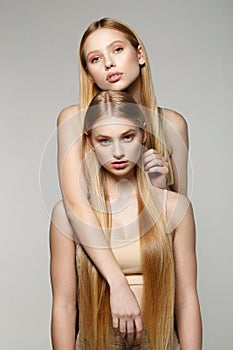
{"x": 117, "y": 143}
{"x": 112, "y": 61}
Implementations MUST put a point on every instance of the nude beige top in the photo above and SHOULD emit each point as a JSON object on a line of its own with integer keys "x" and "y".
{"x": 129, "y": 260}
{"x": 128, "y": 255}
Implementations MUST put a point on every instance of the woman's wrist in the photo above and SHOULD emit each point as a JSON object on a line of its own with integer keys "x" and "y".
{"x": 116, "y": 281}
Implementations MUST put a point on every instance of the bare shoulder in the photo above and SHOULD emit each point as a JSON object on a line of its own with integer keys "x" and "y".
{"x": 67, "y": 113}
{"x": 175, "y": 118}
{"x": 176, "y": 127}
{"x": 174, "y": 198}
{"x": 177, "y": 207}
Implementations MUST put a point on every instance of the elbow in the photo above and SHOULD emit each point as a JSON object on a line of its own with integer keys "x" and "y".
{"x": 63, "y": 308}
{"x": 72, "y": 209}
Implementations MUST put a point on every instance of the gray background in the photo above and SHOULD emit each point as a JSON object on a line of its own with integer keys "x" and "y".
{"x": 189, "y": 44}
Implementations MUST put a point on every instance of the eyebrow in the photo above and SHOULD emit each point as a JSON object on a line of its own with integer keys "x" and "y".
{"x": 109, "y": 45}
{"x": 123, "y": 134}
{"x": 127, "y": 132}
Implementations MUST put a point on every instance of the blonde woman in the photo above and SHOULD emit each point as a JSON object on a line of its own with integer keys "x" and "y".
{"x": 151, "y": 233}
{"x": 112, "y": 57}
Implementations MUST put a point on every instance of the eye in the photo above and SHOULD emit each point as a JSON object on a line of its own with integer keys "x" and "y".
{"x": 128, "y": 138}
{"x": 95, "y": 59}
{"x": 118, "y": 49}
{"x": 105, "y": 142}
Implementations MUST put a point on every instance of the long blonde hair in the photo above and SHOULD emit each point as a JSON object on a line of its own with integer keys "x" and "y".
{"x": 88, "y": 89}
{"x": 155, "y": 245}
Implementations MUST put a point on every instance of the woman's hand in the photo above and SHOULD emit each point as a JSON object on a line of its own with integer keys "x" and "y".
{"x": 126, "y": 313}
{"x": 157, "y": 168}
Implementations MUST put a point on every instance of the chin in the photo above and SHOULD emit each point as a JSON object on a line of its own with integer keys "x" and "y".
{"x": 119, "y": 86}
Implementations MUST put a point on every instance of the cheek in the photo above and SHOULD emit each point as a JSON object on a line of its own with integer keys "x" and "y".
{"x": 135, "y": 152}
{"x": 94, "y": 73}
{"x": 131, "y": 58}
{"x": 102, "y": 155}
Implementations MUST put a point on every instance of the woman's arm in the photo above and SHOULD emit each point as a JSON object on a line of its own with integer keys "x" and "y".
{"x": 157, "y": 167}
{"x": 187, "y": 309}
{"x": 177, "y": 136}
{"x": 124, "y": 307}
{"x": 63, "y": 280}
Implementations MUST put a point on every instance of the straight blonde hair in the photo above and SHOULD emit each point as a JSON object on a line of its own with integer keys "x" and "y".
{"x": 88, "y": 89}
{"x": 155, "y": 243}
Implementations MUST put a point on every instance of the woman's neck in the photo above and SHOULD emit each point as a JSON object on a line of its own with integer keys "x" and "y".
{"x": 121, "y": 188}
{"x": 135, "y": 90}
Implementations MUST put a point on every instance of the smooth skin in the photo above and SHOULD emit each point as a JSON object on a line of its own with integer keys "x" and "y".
{"x": 187, "y": 309}
{"x": 112, "y": 143}
{"x": 124, "y": 305}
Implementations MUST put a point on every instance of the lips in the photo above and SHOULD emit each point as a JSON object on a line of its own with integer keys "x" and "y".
{"x": 120, "y": 164}
{"x": 113, "y": 77}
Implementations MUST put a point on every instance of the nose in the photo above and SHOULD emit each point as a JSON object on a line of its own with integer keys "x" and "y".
{"x": 118, "y": 151}
{"x": 109, "y": 62}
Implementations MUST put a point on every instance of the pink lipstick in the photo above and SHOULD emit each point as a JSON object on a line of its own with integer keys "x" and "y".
{"x": 120, "y": 164}
{"x": 113, "y": 77}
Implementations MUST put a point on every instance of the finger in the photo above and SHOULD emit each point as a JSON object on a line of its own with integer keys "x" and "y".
{"x": 153, "y": 163}
{"x": 138, "y": 328}
{"x": 130, "y": 331}
{"x": 148, "y": 157}
{"x": 150, "y": 151}
{"x": 156, "y": 163}
{"x": 154, "y": 156}
{"x": 130, "y": 326}
{"x": 115, "y": 322}
{"x": 122, "y": 325}
{"x": 158, "y": 170}
{"x": 155, "y": 160}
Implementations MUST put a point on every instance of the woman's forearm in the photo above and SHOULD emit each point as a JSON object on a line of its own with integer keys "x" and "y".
{"x": 124, "y": 306}
{"x": 90, "y": 235}
{"x": 63, "y": 327}
{"x": 188, "y": 318}
{"x": 74, "y": 187}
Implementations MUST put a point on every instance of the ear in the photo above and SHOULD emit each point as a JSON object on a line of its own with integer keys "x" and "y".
{"x": 141, "y": 58}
